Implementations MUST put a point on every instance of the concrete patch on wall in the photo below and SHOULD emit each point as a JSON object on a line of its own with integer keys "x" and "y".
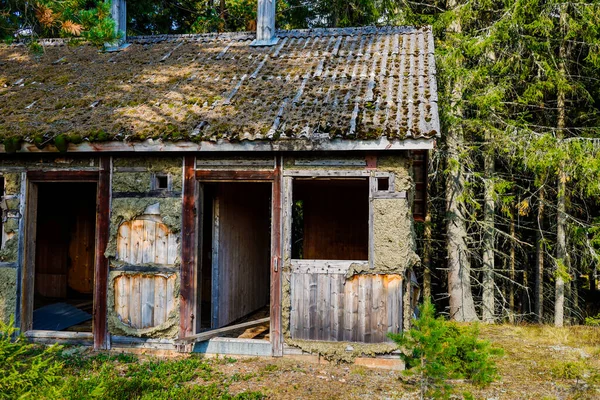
{"x": 8, "y": 293}
{"x": 167, "y": 329}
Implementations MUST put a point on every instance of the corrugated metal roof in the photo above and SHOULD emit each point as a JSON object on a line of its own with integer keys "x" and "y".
{"x": 358, "y": 83}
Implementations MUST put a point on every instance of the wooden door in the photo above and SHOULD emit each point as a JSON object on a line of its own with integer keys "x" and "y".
{"x": 241, "y": 251}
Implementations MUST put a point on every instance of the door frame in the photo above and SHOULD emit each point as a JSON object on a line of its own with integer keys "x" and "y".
{"x": 191, "y": 208}
{"x": 102, "y": 179}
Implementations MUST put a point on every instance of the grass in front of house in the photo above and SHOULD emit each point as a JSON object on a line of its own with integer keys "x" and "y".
{"x": 126, "y": 376}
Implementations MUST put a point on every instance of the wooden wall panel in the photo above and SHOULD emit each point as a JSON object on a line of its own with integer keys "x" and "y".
{"x": 146, "y": 240}
{"x": 144, "y": 301}
{"x": 327, "y": 306}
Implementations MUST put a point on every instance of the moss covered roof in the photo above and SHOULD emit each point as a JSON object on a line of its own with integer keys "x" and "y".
{"x": 361, "y": 83}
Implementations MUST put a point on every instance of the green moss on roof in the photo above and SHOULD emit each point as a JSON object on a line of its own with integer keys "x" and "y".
{"x": 209, "y": 89}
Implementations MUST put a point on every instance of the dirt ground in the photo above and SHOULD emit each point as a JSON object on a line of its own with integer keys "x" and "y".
{"x": 538, "y": 363}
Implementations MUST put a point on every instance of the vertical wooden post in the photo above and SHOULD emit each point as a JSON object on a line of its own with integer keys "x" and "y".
{"x": 101, "y": 267}
{"x": 276, "y": 264}
{"x": 28, "y": 266}
{"x": 188, "y": 249}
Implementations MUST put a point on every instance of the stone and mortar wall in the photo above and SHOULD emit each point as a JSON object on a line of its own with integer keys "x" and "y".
{"x": 11, "y": 217}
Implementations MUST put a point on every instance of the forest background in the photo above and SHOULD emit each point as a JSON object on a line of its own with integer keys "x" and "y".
{"x": 512, "y": 230}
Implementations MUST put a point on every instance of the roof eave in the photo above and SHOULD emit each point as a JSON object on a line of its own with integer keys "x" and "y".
{"x": 148, "y": 146}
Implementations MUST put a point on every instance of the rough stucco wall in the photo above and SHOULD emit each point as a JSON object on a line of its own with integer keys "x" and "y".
{"x": 140, "y": 179}
{"x": 8, "y": 293}
{"x": 134, "y": 175}
{"x": 168, "y": 329}
{"x": 393, "y": 236}
{"x": 394, "y": 242}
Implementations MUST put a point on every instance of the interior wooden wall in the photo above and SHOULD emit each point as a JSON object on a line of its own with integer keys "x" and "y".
{"x": 65, "y": 239}
{"x": 243, "y": 249}
{"x": 336, "y": 218}
{"x": 327, "y": 306}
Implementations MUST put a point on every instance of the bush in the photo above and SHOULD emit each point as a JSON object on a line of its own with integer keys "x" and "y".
{"x": 435, "y": 350}
{"x": 27, "y": 371}
{"x": 593, "y": 321}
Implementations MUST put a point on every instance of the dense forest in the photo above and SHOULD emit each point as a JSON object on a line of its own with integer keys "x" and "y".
{"x": 512, "y": 231}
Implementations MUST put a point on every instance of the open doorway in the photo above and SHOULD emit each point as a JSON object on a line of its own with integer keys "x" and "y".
{"x": 65, "y": 231}
{"x": 234, "y": 258}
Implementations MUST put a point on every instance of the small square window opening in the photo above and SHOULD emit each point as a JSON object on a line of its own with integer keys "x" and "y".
{"x": 383, "y": 184}
{"x": 161, "y": 182}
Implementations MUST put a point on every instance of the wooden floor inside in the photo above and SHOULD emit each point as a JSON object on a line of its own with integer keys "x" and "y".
{"x": 260, "y": 332}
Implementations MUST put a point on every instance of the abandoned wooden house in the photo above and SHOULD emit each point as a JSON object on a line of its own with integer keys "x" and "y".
{"x": 200, "y": 193}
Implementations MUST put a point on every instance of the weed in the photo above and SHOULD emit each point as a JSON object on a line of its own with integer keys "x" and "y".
{"x": 271, "y": 368}
{"x": 27, "y": 370}
{"x": 569, "y": 370}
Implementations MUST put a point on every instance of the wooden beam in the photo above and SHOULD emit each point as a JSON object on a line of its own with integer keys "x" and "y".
{"x": 200, "y": 337}
{"x": 382, "y": 143}
{"x": 28, "y": 266}
{"x": 64, "y": 176}
{"x": 276, "y": 334}
{"x": 21, "y": 245}
{"x": 101, "y": 268}
{"x": 235, "y": 175}
{"x": 188, "y": 249}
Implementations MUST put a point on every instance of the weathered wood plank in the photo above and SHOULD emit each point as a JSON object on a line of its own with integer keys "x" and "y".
{"x": 147, "y": 302}
{"x": 200, "y": 337}
{"x": 161, "y": 255}
{"x": 137, "y": 238}
{"x": 135, "y": 301}
{"x": 189, "y": 248}
{"x": 149, "y": 242}
{"x": 378, "y": 310}
{"x": 234, "y": 175}
{"x": 276, "y": 329}
{"x": 350, "y": 300}
{"x": 160, "y": 301}
{"x": 124, "y": 242}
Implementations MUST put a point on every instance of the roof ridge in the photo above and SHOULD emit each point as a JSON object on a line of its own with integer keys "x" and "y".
{"x": 250, "y": 35}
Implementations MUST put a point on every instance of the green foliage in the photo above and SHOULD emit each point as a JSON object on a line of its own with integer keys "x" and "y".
{"x": 27, "y": 371}
{"x": 435, "y": 350}
{"x": 569, "y": 370}
{"x": 593, "y": 321}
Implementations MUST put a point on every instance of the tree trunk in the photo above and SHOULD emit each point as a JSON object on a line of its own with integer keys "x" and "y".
{"x": 511, "y": 284}
{"x": 539, "y": 266}
{"x": 488, "y": 237}
{"x": 462, "y": 306}
{"x": 562, "y": 268}
{"x": 427, "y": 236}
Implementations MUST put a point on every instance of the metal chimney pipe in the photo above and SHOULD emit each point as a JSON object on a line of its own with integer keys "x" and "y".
{"x": 265, "y": 24}
{"x": 118, "y": 12}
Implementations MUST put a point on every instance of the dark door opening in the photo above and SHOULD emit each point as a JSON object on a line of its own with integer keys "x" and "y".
{"x": 64, "y": 256}
{"x": 234, "y": 256}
